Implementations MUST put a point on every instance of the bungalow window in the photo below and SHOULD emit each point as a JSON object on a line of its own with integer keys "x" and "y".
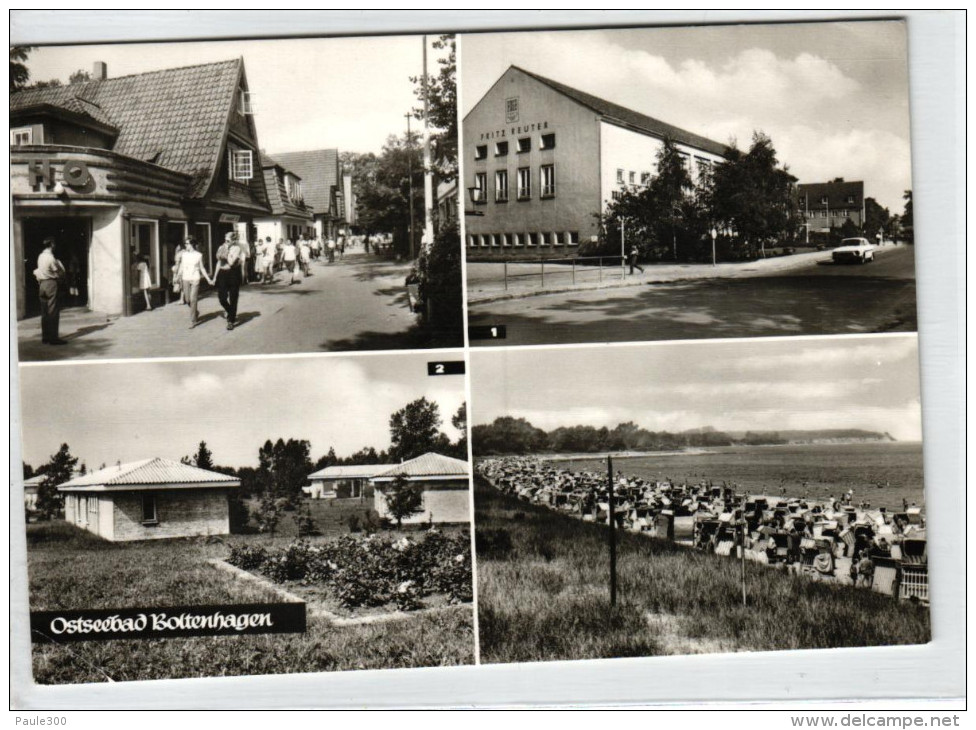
{"x": 548, "y": 142}
{"x": 524, "y": 183}
{"x": 21, "y": 136}
{"x": 523, "y": 145}
{"x": 481, "y": 152}
{"x": 480, "y": 186}
{"x": 501, "y": 149}
{"x": 246, "y": 105}
{"x": 149, "y": 516}
{"x": 501, "y": 186}
{"x": 241, "y": 165}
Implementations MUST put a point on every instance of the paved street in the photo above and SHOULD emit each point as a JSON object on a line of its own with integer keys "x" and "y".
{"x": 763, "y": 299}
{"x": 359, "y": 303}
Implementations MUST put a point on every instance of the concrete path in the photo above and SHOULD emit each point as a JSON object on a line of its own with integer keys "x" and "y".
{"x": 359, "y": 303}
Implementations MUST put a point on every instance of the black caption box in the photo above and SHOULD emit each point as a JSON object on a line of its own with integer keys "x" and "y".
{"x": 446, "y": 367}
{"x": 487, "y": 332}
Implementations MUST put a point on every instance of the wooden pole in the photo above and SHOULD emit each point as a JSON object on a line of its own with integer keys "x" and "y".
{"x": 613, "y": 536}
{"x": 743, "y": 561}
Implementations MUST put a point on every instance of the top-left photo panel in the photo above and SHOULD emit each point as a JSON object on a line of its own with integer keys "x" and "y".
{"x": 234, "y": 197}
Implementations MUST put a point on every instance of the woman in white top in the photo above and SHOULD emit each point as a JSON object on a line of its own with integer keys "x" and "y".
{"x": 191, "y": 271}
{"x": 288, "y": 256}
{"x": 145, "y": 280}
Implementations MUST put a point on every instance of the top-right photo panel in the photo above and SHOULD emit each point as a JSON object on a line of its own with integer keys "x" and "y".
{"x": 687, "y": 183}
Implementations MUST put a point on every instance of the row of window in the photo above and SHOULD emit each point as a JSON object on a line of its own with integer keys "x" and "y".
{"x": 629, "y": 177}
{"x": 849, "y": 200}
{"x": 522, "y": 145}
{"x": 835, "y": 213}
{"x": 523, "y": 189}
{"x": 517, "y": 240}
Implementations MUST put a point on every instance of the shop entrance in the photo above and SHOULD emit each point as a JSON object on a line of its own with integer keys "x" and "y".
{"x": 72, "y": 237}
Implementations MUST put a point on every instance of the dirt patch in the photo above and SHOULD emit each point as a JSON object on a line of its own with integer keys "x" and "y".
{"x": 673, "y": 640}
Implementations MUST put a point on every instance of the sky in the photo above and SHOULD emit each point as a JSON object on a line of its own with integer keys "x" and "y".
{"x": 833, "y": 97}
{"x": 869, "y": 383}
{"x": 139, "y": 410}
{"x": 349, "y": 93}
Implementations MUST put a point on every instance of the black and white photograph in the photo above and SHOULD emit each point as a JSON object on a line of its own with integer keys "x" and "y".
{"x": 692, "y": 498}
{"x": 692, "y": 183}
{"x": 339, "y": 484}
{"x": 235, "y": 198}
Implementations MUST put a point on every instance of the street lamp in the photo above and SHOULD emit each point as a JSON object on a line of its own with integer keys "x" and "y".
{"x": 475, "y": 198}
{"x": 714, "y": 235}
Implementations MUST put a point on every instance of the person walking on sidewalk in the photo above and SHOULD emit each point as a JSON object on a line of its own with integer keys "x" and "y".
{"x": 49, "y": 273}
{"x": 634, "y": 253}
{"x": 190, "y": 273}
{"x": 145, "y": 280}
{"x": 230, "y": 263}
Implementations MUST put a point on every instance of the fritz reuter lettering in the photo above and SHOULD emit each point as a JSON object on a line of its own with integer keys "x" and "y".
{"x": 523, "y": 129}
{"x": 41, "y": 174}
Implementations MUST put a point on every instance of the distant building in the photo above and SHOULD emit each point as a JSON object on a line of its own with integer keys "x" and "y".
{"x": 447, "y": 201}
{"x": 340, "y": 482}
{"x": 321, "y": 175}
{"x": 290, "y": 217}
{"x": 828, "y": 205}
{"x": 445, "y": 484}
{"x": 148, "y": 500}
{"x": 116, "y": 169}
{"x": 542, "y": 160}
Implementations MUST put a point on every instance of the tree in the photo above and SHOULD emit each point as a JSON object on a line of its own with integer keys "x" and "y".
{"x": 403, "y": 499}
{"x": 19, "y": 73}
{"x": 460, "y": 421}
{"x": 268, "y": 513}
{"x": 204, "y": 458}
{"x": 50, "y": 502}
{"x": 414, "y": 430}
{"x": 908, "y": 218}
{"x": 442, "y": 108}
{"x": 876, "y": 218}
{"x": 439, "y": 274}
{"x": 304, "y": 522}
{"x": 283, "y": 469}
{"x": 79, "y": 77}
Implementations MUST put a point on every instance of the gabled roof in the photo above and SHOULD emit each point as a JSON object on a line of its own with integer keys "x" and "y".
{"x": 355, "y": 471}
{"x": 162, "y": 472}
{"x": 274, "y": 184}
{"x": 427, "y": 465}
{"x": 630, "y": 118}
{"x": 178, "y": 116}
{"x": 319, "y": 170}
{"x": 836, "y": 193}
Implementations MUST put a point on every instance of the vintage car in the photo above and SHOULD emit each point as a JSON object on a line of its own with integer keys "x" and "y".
{"x": 853, "y": 250}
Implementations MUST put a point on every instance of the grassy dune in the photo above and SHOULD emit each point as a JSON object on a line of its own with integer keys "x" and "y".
{"x": 543, "y": 595}
{"x": 69, "y": 568}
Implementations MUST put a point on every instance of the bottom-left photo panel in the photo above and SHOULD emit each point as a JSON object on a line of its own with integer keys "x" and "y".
{"x": 247, "y": 516}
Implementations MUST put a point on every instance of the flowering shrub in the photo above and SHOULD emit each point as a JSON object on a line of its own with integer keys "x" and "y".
{"x": 372, "y": 570}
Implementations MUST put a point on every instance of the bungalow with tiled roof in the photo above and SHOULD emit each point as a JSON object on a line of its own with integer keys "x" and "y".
{"x": 291, "y": 216}
{"x": 443, "y": 480}
{"x": 117, "y": 169}
{"x": 321, "y": 174}
{"x": 149, "y": 499}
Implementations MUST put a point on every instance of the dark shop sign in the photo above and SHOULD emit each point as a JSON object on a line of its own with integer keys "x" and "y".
{"x": 74, "y": 173}
{"x": 164, "y": 623}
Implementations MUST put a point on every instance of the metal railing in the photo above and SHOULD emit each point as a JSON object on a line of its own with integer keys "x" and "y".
{"x": 573, "y": 269}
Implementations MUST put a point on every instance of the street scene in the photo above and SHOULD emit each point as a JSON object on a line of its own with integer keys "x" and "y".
{"x": 169, "y": 201}
{"x": 590, "y": 219}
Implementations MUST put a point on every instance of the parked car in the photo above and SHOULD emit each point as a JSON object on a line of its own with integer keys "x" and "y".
{"x": 853, "y": 250}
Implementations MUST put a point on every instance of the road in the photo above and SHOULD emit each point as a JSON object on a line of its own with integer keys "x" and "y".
{"x": 359, "y": 303}
{"x": 816, "y": 298}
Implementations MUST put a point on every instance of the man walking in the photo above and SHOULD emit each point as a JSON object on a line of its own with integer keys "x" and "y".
{"x": 230, "y": 264}
{"x": 49, "y": 273}
{"x": 633, "y": 260}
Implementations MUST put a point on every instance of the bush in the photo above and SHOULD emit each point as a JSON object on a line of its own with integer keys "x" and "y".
{"x": 247, "y": 557}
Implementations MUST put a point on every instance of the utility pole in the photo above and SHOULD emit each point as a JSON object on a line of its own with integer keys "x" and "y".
{"x": 410, "y": 179}
{"x": 428, "y": 172}
{"x": 623, "y": 251}
{"x": 613, "y": 534}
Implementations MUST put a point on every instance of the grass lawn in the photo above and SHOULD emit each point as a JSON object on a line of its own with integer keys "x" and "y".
{"x": 68, "y": 568}
{"x": 543, "y": 595}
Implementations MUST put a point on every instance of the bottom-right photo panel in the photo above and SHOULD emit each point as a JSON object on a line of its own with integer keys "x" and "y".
{"x": 698, "y": 497}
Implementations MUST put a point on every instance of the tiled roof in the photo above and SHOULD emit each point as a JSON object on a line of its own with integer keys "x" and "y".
{"x": 149, "y": 471}
{"x": 429, "y": 465}
{"x": 274, "y": 184}
{"x": 179, "y": 114}
{"x": 356, "y": 471}
{"x": 630, "y": 117}
{"x": 319, "y": 170}
{"x": 836, "y": 192}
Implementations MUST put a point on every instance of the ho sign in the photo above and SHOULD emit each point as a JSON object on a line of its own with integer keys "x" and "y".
{"x": 74, "y": 173}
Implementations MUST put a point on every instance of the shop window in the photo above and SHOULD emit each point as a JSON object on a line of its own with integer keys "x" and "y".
{"x": 524, "y": 145}
{"x": 572, "y": 238}
{"x": 501, "y": 186}
{"x": 480, "y": 187}
{"x": 501, "y": 149}
{"x": 149, "y": 514}
{"x": 524, "y": 183}
{"x": 241, "y": 165}
{"x": 21, "y": 136}
{"x": 547, "y": 180}
{"x": 246, "y": 105}
{"x": 481, "y": 152}
{"x": 548, "y": 141}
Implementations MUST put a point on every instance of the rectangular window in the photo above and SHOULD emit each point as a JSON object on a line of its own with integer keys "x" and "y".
{"x": 517, "y": 239}
{"x": 506, "y": 241}
{"x": 620, "y": 176}
{"x": 480, "y": 187}
{"x": 21, "y": 136}
{"x": 501, "y": 186}
{"x": 501, "y": 149}
{"x": 246, "y": 103}
{"x": 850, "y": 200}
{"x": 483, "y": 240}
{"x": 823, "y": 200}
{"x": 241, "y": 165}
{"x": 470, "y": 241}
{"x": 556, "y": 238}
{"x": 547, "y": 180}
{"x": 494, "y": 239}
{"x": 530, "y": 239}
{"x": 572, "y": 238}
{"x": 524, "y": 183}
{"x": 524, "y": 145}
{"x": 481, "y": 152}
{"x": 548, "y": 141}
{"x": 632, "y": 177}
{"x": 645, "y": 178}
{"x": 615, "y": 194}
{"x": 149, "y": 516}
{"x": 685, "y": 160}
